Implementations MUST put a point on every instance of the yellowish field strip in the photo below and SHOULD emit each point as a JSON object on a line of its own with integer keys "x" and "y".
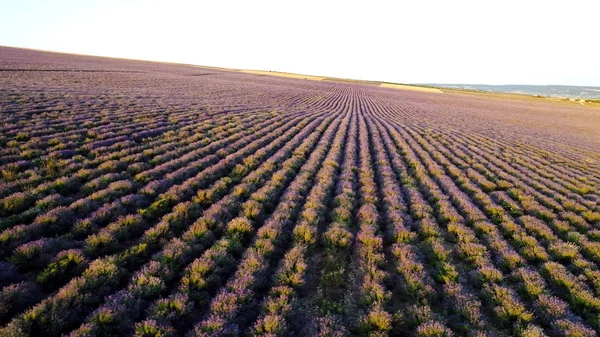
{"x": 410, "y": 87}
{"x": 288, "y": 75}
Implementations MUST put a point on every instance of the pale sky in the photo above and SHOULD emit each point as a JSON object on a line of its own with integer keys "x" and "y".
{"x": 484, "y": 42}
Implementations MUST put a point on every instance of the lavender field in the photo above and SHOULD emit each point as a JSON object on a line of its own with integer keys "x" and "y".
{"x": 154, "y": 199}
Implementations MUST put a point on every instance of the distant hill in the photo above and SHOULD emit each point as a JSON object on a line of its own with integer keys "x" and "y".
{"x": 563, "y": 91}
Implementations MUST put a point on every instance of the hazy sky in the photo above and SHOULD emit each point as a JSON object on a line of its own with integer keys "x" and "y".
{"x": 492, "y": 42}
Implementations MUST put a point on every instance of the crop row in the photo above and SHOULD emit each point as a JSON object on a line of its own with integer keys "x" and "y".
{"x": 261, "y": 206}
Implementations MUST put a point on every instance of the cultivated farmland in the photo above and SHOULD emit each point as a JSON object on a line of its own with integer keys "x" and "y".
{"x": 152, "y": 199}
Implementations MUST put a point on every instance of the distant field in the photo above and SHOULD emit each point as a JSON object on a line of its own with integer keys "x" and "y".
{"x": 155, "y": 199}
{"x": 287, "y": 75}
{"x": 411, "y": 87}
{"x": 319, "y": 78}
{"x": 558, "y": 91}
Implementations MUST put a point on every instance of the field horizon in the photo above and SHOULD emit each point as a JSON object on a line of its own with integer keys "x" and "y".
{"x": 142, "y": 198}
{"x": 456, "y": 87}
